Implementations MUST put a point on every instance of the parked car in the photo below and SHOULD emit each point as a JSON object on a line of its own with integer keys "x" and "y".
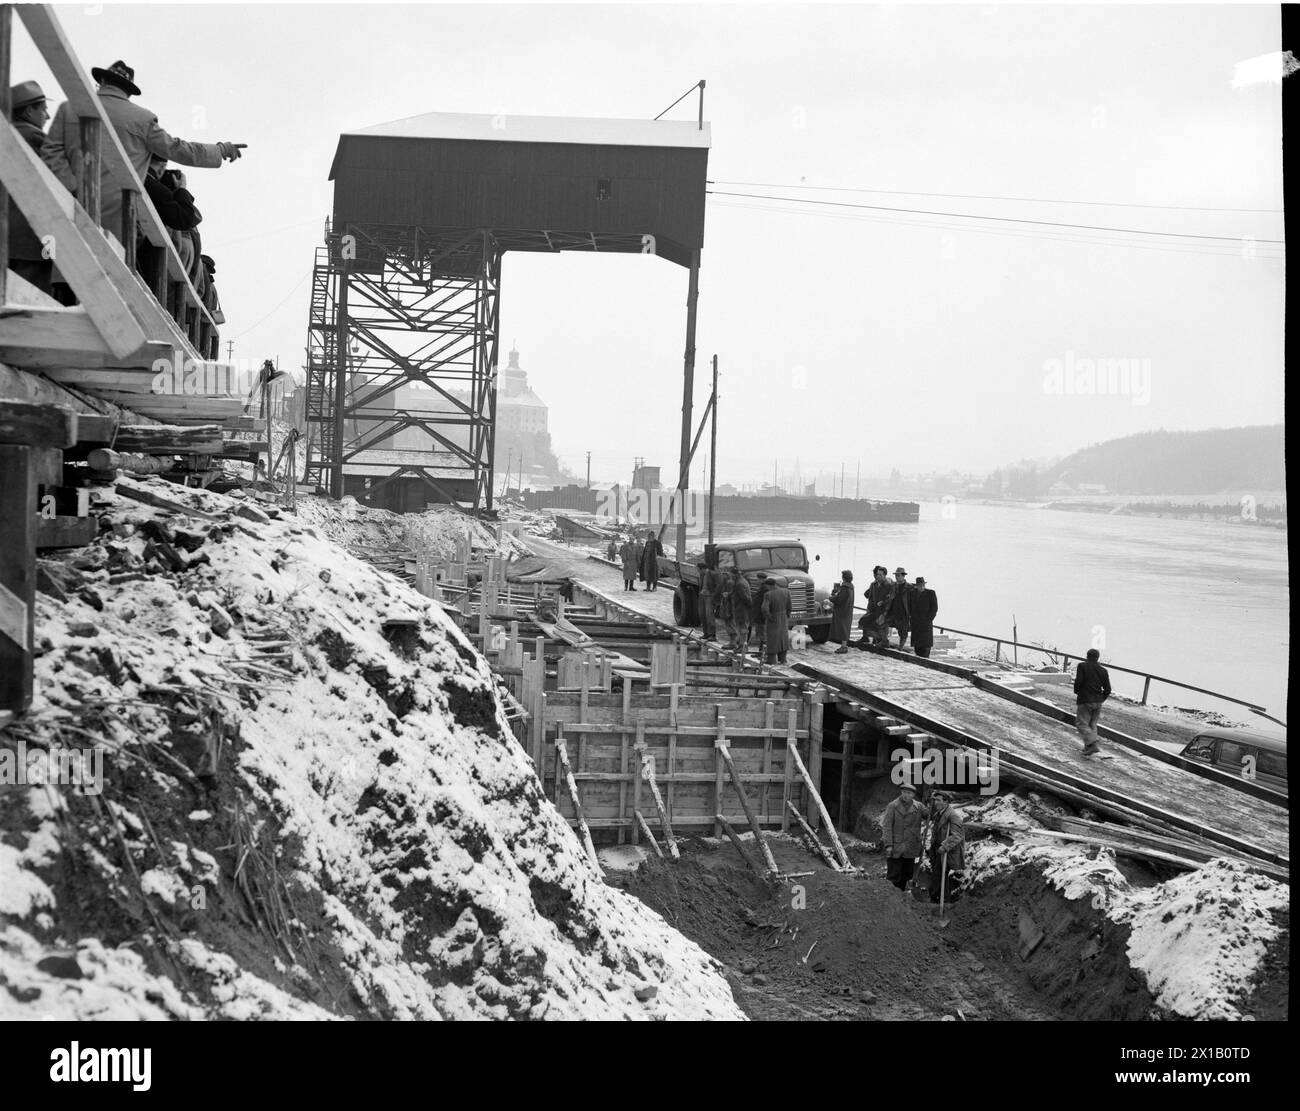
{"x": 1250, "y": 753}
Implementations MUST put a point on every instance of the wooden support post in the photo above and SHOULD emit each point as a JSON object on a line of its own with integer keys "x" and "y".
{"x": 814, "y": 842}
{"x": 814, "y": 750}
{"x": 18, "y": 523}
{"x": 648, "y": 771}
{"x": 562, "y": 749}
{"x": 721, "y": 746}
{"x": 641, "y": 827}
{"x": 846, "y": 777}
{"x": 817, "y": 800}
{"x": 735, "y": 840}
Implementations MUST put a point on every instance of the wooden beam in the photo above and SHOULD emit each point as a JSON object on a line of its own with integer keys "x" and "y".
{"x": 39, "y": 426}
{"x": 563, "y": 751}
{"x": 17, "y": 576}
{"x": 821, "y": 807}
{"x": 34, "y": 338}
{"x": 814, "y": 842}
{"x": 720, "y": 748}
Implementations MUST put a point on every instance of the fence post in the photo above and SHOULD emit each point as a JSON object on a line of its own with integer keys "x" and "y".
{"x": 128, "y": 226}
{"x": 89, "y": 181}
{"x": 1146, "y": 687}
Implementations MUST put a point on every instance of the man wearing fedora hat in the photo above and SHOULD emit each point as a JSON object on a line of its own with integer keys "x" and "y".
{"x": 26, "y": 251}
{"x": 900, "y": 606}
{"x": 139, "y": 133}
{"x": 925, "y": 605}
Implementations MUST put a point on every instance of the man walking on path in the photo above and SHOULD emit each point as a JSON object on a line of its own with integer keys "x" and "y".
{"x": 737, "y": 608}
{"x": 627, "y": 553}
{"x": 777, "y": 608}
{"x": 842, "y": 612}
{"x": 900, "y": 607}
{"x": 947, "y": 843}
{"x": 709, "y": 585}
{"x": 901, "y": 835}
{"x": 925, "y": 605}
{"x": 1091, "y": 689}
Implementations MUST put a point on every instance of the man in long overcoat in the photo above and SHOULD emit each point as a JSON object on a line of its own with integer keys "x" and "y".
{"x": 777, "y": 609}
{"x": 925, "y": 605}
{"x": 842, "y": 611}
{"x": 627, "y": 553}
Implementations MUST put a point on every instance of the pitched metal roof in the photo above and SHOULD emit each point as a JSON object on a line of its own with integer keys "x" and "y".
{"x": 542, "y": 129}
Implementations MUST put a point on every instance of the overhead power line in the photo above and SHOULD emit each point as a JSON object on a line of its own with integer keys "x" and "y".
{"x": 987, "y": 197}
{"x": 1044, "y": 236}
{"x": 1000, "y": 219}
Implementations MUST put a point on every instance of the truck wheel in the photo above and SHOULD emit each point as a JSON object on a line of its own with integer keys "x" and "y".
{"x": 685, "y": 610}
{"x": 820, "y": 633}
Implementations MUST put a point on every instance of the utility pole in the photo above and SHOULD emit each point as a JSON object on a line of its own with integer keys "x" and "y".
{"x": 588, "y": 470}
{"x": 841, "y": 480}
{"x": 713, "y": 447}
{"x": 230, "y": 350}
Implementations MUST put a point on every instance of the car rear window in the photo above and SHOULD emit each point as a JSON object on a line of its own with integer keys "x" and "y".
{"x": 1272, "y": 763}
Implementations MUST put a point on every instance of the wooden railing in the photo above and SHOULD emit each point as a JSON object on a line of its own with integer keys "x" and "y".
{"x": 104, "y": 162}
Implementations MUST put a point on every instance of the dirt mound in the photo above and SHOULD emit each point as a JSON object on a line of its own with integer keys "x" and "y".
{"x": 825, "y": 945}
{"x": 310, "y": 803}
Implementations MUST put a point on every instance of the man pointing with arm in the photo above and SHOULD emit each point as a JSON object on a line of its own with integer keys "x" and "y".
{"x": 141, "y": 137}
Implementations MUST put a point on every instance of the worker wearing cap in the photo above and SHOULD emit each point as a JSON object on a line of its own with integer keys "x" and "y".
{"x": 28, "y": 257}
{"x": 900, "y": 828}
{"x": 947, "y": 844}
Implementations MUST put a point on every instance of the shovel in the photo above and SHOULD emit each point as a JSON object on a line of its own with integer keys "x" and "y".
{"x": 943, "y": 891}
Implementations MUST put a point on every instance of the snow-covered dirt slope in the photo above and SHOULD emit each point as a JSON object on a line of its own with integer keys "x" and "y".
{"x": 311, "y": 803}
{"x": 1198, "y": 939}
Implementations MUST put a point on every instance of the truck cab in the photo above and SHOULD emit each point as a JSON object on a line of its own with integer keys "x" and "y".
{"x": 778, "y": 556}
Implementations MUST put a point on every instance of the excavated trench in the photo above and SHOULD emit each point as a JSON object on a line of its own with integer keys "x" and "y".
{"x": 827, "y": 945}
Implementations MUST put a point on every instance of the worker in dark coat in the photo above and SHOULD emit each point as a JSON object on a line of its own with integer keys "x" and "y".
{"x": 611, "y": 551}
{"x": 638, "y": 550}
{"x": 900, "y": 607}
{"x": 710, "y": 583}
{"x": 737, "y": 606}
{"x": 900, "y": 828}
{"x": 879, "y": 596}
{"x": 650, "y": 561}
{"x": 842, "y": 611}
{"x": 947, "y": 847}
{"x": 777, "y": 609}
{"x": 627, "y": 553}
{"x": 925, "y": 605}
{"x": 28, "y": 257}
{"x": 1091, "y": 689}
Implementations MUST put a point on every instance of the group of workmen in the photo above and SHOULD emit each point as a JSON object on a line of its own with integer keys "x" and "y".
{"x": 903, "y": 841}
{"x": 148, "y": 148}
{"x": 909, "y": 608}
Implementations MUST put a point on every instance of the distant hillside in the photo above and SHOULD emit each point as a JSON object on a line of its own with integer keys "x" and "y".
{"x": 1215, "y": 459}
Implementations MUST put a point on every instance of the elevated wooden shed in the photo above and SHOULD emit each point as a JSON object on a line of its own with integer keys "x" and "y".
{"x": 424, "y": 210}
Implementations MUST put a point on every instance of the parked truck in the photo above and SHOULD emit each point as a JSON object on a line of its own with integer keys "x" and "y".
{"x": 783, "y": 557}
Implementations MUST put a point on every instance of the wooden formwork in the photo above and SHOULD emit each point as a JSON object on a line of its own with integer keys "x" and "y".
{"x": 607, "y": 734}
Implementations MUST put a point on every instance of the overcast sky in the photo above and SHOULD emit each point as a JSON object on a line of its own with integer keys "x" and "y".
{"x": 844, "y": 334}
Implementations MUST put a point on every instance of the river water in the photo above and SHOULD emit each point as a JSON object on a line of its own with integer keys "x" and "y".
{"x": 1202, "y": 602}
